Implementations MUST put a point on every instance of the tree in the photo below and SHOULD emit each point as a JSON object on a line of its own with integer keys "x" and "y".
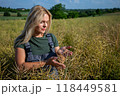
{"x": 6, "y": 13}
{"x": 73, "y": 14}
{"x": 98, "y": 11}
{"x": 88, "y": 12}
{"x": 60, "y": 15}
{"x": 58, "y": 11}
{"x": 93, "y": 13}
{"x": 83, "y": 14}
{"x": 58, "y": 7}
{"x": 19, "y": 14}
{"x": 108, "y": 10}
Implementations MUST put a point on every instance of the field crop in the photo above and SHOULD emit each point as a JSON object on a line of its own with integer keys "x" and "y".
{"x": 95, "y": 44}
{"x": 13, "y": 16}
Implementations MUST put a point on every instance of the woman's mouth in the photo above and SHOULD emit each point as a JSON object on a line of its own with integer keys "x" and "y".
{"x": 43, "y": 29}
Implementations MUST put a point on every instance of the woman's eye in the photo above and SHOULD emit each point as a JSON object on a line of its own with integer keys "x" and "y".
{"x": 41, "y": 22}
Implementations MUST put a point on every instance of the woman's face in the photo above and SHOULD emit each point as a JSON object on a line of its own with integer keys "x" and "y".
{"x": 42, "y": 26}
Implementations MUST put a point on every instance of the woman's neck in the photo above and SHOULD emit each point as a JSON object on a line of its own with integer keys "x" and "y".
{"x": 38, "y": 34}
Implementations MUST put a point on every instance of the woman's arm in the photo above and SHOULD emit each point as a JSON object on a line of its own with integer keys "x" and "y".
{"x": 56, "y": 49}
{"x": 20, "y": 60}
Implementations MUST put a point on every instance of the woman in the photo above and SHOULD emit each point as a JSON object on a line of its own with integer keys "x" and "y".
{"x": 35, "y": 48}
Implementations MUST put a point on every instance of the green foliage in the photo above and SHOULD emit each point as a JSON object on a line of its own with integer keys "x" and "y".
{"x": 6, "y": 14}
{"x": 59, "y": 15}
{"x": 58, "y": 7}
{"x": 73, "y": 14}
{"x": 93, "y": 13}
{"x": 58, "y": 11}
{"x": 98, "y": 11}
{"x": 19, "y": 14}
{"x": 3, "y": 9}
{"x": 83, "y": 14}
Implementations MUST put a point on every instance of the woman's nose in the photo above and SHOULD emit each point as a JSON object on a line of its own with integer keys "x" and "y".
{"x": 45, "y": 24}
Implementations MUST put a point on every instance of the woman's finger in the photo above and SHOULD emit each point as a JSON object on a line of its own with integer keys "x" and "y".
{"x": 68, "y": 47}
{"x": 54, "y": 58}
{"x": 57, "y": 64}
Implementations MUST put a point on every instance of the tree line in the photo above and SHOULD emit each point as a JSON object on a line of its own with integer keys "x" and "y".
{"x": 59, "y": 11}
{"x": 9, "y": 10}
{"x": 4, "y": 9}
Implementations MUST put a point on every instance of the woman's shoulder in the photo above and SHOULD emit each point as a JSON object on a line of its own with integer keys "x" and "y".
{"x": 19, "y": 45}
{"x": 54, "y": 39}
{"x": 51, "y": 34}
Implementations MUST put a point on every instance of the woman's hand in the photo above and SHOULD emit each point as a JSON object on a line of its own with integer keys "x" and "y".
{"x": 64, "y": 51}
{"x": 52, "y": 61}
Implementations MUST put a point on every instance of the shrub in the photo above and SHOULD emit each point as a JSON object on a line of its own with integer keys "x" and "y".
{"x": 19, "y": 14}
{"x": 6, "y": 14}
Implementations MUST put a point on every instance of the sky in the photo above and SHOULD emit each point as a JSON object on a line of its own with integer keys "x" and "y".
{"x": 69, "y": 4}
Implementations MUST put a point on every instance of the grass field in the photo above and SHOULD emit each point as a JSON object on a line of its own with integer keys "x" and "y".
{"x": 95, "y": 42}
{"x": 13, "y": 16}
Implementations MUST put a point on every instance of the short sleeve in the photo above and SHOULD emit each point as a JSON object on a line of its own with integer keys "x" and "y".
{"x": 20, "y": 46}
{"x": 55, "y": 40}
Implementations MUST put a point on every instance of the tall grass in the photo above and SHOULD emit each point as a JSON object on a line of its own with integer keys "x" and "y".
{"x": 95, "y": 44}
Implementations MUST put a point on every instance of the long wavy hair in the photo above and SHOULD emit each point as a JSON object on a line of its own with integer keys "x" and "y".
{"x": 34, "y": 18}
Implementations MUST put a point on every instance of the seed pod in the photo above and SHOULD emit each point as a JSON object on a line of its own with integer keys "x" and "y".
{"x": 61, "y": 58}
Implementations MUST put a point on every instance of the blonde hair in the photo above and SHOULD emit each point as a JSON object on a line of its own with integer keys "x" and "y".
{"x": 34, "y": 18}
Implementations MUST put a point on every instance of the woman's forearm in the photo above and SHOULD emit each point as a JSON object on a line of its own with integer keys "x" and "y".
{"x": 30, "y": 65}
